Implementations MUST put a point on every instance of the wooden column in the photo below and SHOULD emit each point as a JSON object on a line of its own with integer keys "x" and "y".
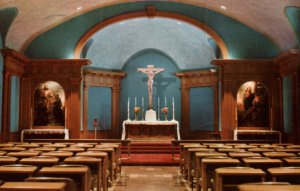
{"x": 203, "y": 78}
{"x": 116, "y": 111}
{"x": 103, "y": 79}
{"x": 13, "y": 66}
{"x": 289, "y": 65}
{"x": 6, "y": 106}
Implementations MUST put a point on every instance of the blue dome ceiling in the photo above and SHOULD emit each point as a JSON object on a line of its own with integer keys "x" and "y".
{"x": 188, "y": 46}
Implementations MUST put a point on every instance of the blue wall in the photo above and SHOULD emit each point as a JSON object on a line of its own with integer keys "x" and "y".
{"x": 166, "y": 84}
{"x": 293, "y": 14}
{"x": 14, "y": 105}
{"x": 99, "y": 107}
{"x": 202, "y": 108}
{"x": 287, "y": 104}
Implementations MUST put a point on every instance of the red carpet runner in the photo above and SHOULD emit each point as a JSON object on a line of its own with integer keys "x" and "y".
{"x": 150, "y": 154}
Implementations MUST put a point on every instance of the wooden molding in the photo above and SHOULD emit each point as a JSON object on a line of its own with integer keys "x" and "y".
{"x": 289, "y": 65}
{"x": 234, "y": 73}
{"x": 103, "y": 79}
{"x": 192, "y": 79}
{"x": 14, "y": 64}
{"x": 289, "y": 62}
{"x": 66, "y": 72}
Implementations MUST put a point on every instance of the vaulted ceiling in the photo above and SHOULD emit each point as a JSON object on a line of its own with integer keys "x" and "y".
{"x": 265, "y": 27}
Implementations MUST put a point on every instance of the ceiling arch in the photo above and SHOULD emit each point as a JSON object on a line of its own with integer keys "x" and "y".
{"x": 7, "y": 17}
{"x": 213, "y": 34}
{"x": 241, "y": 40}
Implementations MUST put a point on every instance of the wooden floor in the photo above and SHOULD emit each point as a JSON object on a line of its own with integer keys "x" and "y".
{"x": 150, "y": 178}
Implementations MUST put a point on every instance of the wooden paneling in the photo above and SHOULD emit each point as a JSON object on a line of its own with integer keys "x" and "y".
{"x": 192, "y": 79}
{"x": 14, "y": 64}
{"x": 103, "y": 79}
{"x": 289, "y": 65}
{"x": 236, "y": 72}
{"x": 66, "y": 72}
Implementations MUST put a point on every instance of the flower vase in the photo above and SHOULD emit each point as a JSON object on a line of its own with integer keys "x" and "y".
{"x": 166, "y": 116}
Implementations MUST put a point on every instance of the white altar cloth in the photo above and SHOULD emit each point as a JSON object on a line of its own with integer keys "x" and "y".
{"x": 129, "y": 122}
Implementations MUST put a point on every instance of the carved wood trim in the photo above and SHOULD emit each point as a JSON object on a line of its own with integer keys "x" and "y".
{"x": 13, "y": 66}
{"x": 103, "y": 79}
{"x": 66, "y": 72}
{"x": 234, "y": 73}
{"x": 289, "y": 64}
{"x": 192, "y": 79}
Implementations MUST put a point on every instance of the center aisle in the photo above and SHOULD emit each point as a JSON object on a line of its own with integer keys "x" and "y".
{"x": 150, "y": 178}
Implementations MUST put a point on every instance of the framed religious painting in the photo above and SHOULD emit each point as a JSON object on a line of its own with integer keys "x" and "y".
{"x": 49, "y": 105}
{"x": 253, "y": 105}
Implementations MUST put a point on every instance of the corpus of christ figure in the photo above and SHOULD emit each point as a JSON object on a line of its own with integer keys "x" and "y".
{"x": 150, "y": 71}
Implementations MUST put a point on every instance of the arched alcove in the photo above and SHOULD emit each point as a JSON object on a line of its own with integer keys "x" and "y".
{"x": 49, "y": 104}
{"x": 166, "y": 85}
{"x": 252, "y": 105}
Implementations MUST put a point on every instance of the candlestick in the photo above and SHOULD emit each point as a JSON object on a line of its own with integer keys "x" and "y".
{"x": 142, "y": 108}
{"x": 158, "y": 109}
{"x": 165, "y": 101}
{"x": 128, "y": 111}
{"x": 173, "y": 108}
{"x": 95, "y": 123}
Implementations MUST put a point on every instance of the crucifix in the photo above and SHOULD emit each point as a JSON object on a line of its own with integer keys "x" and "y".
{"x": 150, "y": 71}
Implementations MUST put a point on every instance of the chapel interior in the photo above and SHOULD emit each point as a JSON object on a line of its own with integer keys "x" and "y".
{"x": 117, "y": 92}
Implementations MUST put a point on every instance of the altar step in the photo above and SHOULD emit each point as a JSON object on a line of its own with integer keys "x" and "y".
{"x": 151, "y": 147}
{"x": 150, "y": 154}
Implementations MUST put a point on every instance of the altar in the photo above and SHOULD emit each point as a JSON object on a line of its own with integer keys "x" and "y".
{"x": 151, "y": 129}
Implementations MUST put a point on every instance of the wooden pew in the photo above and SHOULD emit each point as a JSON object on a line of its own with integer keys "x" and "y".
{"x": 33, "y": 186}
{"x": 230, "y": 177}
{"x": 208, "y": 166}
{"x": 79, "y": 173}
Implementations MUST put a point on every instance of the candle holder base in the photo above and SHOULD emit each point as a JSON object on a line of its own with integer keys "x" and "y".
{"x": 135, "y": 116}
{"x": 166, "y": 116}
{"x": 150, "y": 115}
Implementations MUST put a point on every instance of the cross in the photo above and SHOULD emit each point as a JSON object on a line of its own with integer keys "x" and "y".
{"x": 150, "y": 71}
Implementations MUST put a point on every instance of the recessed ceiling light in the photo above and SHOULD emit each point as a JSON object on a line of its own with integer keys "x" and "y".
{"x": 121, "y": 23}
{"x": 178, "y": 22}
{"x": 223, "y": 7}
{"x": 79, "y": 8}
